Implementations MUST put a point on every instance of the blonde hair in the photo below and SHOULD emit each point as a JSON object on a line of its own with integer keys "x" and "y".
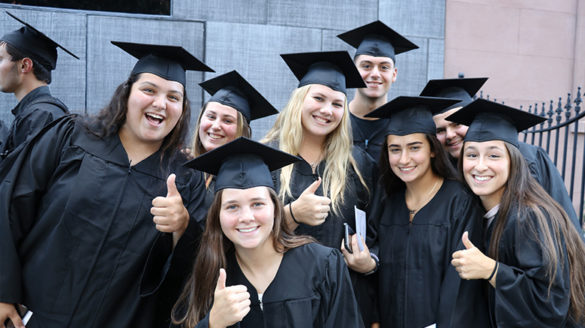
{"x": 288, "y": 132}
{"x": 242, "y": 130}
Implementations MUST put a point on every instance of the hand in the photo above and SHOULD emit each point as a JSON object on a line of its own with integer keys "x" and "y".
{"x": 230, "y": 304}
{"x": 309, "y": 208}
{"x": 8, "y": 311}
{"x": 170, "y": 215}
{"x": 359, "y": 261}
{"x": 471, "y": 263}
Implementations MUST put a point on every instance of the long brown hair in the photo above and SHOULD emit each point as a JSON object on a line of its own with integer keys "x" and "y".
{"x": 439, "y": 164}
{"x": 551, "y": 228}
{"x": 112, "y": 117}
{"x": 197, "y": 296}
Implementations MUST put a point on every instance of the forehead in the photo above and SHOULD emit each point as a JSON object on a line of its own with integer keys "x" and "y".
{"x": 326, "y": 91}
{"x": 160, "y": 82}
{"x": 486, "y": 145}
{"x": 406, "y": 139}
{"x": 220, "y": 109}
{"x": 233, "y": 194}
{"x": 373, "y": 60}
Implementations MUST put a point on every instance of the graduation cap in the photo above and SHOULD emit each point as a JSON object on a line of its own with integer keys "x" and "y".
{"x": 334, "y": 69}
{"x": 34, "y": 44}
{"x": 461, "y": 89}
{"x": 488, "y": 120}
{"x": 231, "y": 89}
{"x": 168, "y": 62}
{"x": 378, "y": 40}
{"x": 242, "y": 164}
{"x": 411, "y": 114}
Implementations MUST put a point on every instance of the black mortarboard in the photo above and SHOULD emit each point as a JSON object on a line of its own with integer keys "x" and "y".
{"x": 242, "y": 164}
{"x": 411, "y": 114}
{"x": 34, "y": 44}
{"x": 461, "y": 89}
{"x": 168, "y": 62}
{"x": 489, "y": 120}
{"x": 231, "y": 89}
{"x": 378, "y": 40}
{"x": 334, "y": 69}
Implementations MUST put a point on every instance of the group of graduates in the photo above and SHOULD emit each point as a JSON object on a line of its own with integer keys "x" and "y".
{"x": 114, "y": 220}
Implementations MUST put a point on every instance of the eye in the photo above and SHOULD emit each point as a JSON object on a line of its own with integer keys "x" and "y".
{"x": 394, "y": 150}
{"x": 494, "y": 156}
{"x": 338, "y": 105}
{"x": 318, "y": 98}
{"x": 414, "y": 148}
{"x": 439, "y": 131}
{"x": 210, "y": 116}
{"x": 470, "y": 155}
{"x": 228, "y": 120}
{"x": 385, "y": 68}
{"x": 257, "y": 204}
{"x": 174, "y": 98}
{"x": 365, "y": 66}
{"x": 148, "y": 90}
{"x": 231, "y": 207}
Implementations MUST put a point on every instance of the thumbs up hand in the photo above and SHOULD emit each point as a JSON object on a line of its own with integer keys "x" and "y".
{"x": 230, "y": 304}
{"x": 169, "y": 213}
{"x": 471, "y": 263}
{"x": 309, "y": 208}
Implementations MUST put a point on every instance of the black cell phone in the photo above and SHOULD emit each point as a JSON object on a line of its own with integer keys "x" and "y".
{"x": 348, "y": 232}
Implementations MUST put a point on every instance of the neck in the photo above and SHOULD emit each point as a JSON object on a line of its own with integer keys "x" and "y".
{"x": 424, "y": 187}
{"x": 311, "y": 149}
{"x": 137, "y": 151}
{"x": 490, "y": 201}
{"x": 362, "y": 105}
{"x": 26, "y": 87}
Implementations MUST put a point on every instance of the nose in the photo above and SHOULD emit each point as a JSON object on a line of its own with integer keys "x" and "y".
{"x": 404, "y": 157}
{"x": 326, "y": 109}
{"x": 375, "y": 73}
{"x": 159, "y": 101}
{"x": 215, "y": 124}
{"x": 246, "y": 214}
{"x": 481, "y": 164}
{"x": 449, "y": 133}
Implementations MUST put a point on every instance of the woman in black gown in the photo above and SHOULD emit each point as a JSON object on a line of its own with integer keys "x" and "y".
{"x": 250, "y": 270}
{"x": 534, "y": 264}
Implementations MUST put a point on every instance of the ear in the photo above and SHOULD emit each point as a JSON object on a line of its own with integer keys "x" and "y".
{"x": 26, "y": 65}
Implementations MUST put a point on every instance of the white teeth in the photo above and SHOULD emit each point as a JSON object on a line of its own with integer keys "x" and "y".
{"x": 406, "y": 169}
{"x": 158, "y": 117}
{"x": 322, "y": 120}
{"x": 481, "y": 178}
{"x": 247, "y": 229}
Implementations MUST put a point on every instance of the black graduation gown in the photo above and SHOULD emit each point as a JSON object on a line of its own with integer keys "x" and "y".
{"x": 546, "y": 173}
{"x": 311, "y": 289}
{"x": 36, "y": 110}
{"x": 331, "y": 232}
{"x": 418, "y": 286}
{"x": 3, "y": 134}
{"x": 520, "y": 298}
{"x": 369, "y": 135}
{"x": 76, "y": 229}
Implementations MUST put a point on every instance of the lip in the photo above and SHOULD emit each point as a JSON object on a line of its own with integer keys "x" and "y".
{"x": 247, "y": 230}
{"x": 406, "y": 169}
{"x": 154, "y": 119}
{"x": 321, "y": 120}
{"x": 482, "y": 179}
{"x": 455, "y": 144}
{"x": 373, "y": 84}
{"x": 214, "y": 137}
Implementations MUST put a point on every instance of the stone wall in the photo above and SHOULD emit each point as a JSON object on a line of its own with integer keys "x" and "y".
{"x": 227, "y": 34}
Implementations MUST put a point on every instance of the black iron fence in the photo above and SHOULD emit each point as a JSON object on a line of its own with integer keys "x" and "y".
{"x": 562, "y": 135}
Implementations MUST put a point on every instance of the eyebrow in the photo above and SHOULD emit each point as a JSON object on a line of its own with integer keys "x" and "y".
{"x": 156, "y": 86}
{"x": 408, "y": 144}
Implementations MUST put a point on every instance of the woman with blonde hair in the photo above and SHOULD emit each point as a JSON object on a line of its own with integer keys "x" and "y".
{"x": 534, "y": 269}
{"x": 335, "y": 179}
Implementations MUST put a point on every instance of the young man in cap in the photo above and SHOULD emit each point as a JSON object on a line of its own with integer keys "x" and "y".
{"x": 376, "y": 47}
{"x": 27, "y": 58}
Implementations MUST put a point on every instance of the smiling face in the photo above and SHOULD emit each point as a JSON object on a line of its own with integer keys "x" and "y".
{"x": 322, "y": 111}
{"x": 218, "y": 125}
{"x": 155, "y": 105}
{"x": 450, "y": 134}
{"x": 247, "y": 217}
{"x": 410, "y": 156}
{"x": 378, "y": 72}
{"x": 486, "y": 168}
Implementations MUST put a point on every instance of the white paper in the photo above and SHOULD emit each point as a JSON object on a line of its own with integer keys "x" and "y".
{"x": 360, "y": 226}
{"x": 434, "y": 325}
{"x": 27, "y": 317}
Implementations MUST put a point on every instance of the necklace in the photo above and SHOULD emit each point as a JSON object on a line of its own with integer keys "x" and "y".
{"x": 412, "y": 212}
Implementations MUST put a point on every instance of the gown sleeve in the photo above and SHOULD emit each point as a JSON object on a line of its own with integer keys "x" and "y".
{"x": 24, "y": 176}
{"x": 343, "y": 310}
{"x": 461, "y": 301}
{"x": 522, "y": 296}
